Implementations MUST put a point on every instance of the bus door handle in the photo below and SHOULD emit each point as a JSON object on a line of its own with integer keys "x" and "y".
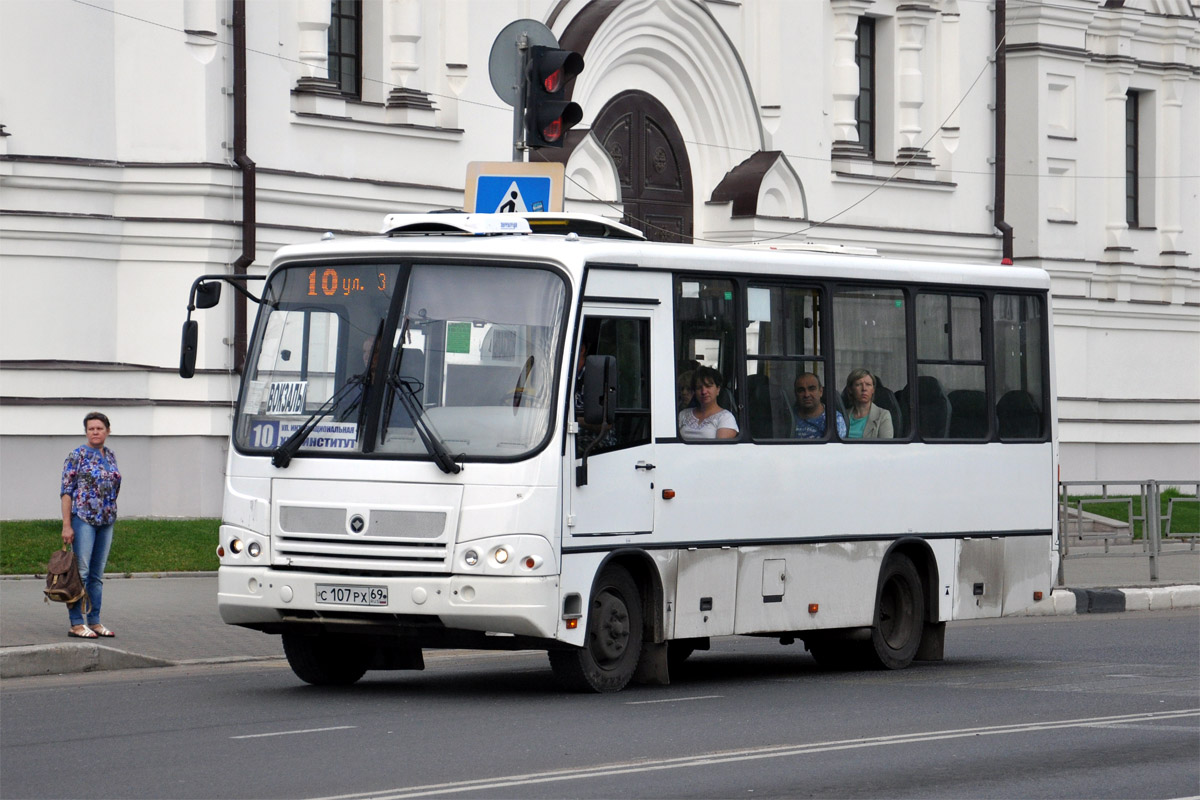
{"x": 643, "y": 465}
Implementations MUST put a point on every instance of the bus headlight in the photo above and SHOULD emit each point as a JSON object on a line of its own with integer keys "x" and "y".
{"x": 235, "y": 546}
{"x": 254, "y": 549}
{"x": 501, "y": 555}
{"x": 470, "y": 558}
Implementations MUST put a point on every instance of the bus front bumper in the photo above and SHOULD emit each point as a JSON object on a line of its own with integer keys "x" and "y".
{"x": 523, "y": 606}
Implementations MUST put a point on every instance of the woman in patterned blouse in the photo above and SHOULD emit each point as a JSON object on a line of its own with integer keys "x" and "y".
{"x": 90, "y": 483}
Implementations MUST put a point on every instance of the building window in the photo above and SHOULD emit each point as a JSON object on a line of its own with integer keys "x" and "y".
{"x": 864, "y": 109}
{"x": 1131, "y": 159}
{"x": 345, "y": 46}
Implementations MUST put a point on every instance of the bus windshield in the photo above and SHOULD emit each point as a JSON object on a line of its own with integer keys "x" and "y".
{"x": 408, "y": 360}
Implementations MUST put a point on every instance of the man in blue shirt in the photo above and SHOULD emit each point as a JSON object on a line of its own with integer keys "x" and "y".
{"x": 810, "y": 408}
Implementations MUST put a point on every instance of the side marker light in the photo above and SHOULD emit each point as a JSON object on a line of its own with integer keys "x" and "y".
{"x": 572, "y": 624}
{"x": 813, "y": 608}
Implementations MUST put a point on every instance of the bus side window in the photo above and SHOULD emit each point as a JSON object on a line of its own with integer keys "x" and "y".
{"x": 951, "y": 388}
{"x": 783, "y": 343}
{"x": 1017, "y": 340}
{"x": 869, "y": 332}
{"x": 705, "y": 327}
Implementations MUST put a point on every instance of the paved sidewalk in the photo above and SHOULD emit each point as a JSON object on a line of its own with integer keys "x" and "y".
{"x": 173, "y": 619}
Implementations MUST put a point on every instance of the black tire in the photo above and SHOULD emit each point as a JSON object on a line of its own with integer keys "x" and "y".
{"x": 613, "y": 640}
{"x": 899, "y": 615}
{"x": 325, "y": 660}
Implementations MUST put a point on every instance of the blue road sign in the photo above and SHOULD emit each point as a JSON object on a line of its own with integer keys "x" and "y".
{"x": 498, "y": 194}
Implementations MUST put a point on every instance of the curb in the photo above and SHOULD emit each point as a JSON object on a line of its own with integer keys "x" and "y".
{"x": 1067, "y": 602}
{"x": 55, "y": 659}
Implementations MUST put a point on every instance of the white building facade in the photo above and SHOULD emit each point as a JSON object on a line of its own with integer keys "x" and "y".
{"x": 144, "y": 143}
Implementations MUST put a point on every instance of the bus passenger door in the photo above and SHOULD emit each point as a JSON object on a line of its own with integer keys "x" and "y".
{"x": 618, "y": 498}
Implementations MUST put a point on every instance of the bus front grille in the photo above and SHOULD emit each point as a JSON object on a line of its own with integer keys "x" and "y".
{"x": 339, "y": 539}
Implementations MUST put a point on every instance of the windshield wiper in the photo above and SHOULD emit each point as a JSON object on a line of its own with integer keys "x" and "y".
{"x": 407, "y": 392}
{"x": 282, "y": 455}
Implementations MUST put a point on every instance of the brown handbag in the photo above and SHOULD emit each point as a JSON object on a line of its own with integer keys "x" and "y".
{"x": 63, "y": 584}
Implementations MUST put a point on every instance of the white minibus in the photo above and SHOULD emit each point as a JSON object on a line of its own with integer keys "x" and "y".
{"x": 544, "y": 432}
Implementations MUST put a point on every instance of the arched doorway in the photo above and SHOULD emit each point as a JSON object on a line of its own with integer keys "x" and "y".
{"x": 652, "y": 164}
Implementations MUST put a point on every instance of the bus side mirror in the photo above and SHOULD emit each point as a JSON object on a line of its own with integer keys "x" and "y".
{"x": 208, "y": 294}
{"x": 600, "y": 390}
{"x": 187, "y": 348}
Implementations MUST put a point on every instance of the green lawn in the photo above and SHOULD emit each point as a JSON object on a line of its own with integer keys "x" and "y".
{"x": 1186, "y": 518}
{"x": 139, "y": 545}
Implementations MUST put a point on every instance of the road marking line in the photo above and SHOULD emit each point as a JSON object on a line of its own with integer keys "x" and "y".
{"x": 289, "y": 733}
{"x": 748, "y": 754}
{"x": 676, "y": 699}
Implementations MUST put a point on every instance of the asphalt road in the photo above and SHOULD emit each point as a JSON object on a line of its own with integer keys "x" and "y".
{"x": 1098, "y": 706}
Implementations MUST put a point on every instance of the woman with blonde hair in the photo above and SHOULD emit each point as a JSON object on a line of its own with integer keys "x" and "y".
{"x": 864, "y": 419}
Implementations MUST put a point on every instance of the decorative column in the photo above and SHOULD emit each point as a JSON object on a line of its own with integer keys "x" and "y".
{"x": 1170, "y": 226}
{"x": 911, "y": 24}
{"x": 1111, "y": 37}
{"x": 312, "y": 18}
{"x": 455, "y": 36}
{"x": 844, "y": 78}
{"x": 1116, "y": 227}
{"x": 949, "y": 72}
{"x": 406, "y": 102}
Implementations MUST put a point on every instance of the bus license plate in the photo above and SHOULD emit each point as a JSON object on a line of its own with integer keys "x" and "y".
{"x": 340, "y": 594}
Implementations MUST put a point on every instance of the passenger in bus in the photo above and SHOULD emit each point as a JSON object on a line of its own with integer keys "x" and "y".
{"x": 810, "y": 408}
{"x": 708, "y": 420}
{"x": 867, "y": 420}
{"x": 684, "y": 396}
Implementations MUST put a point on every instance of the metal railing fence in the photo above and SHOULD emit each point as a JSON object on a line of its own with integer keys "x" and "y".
{"x": 1080, "y": 528}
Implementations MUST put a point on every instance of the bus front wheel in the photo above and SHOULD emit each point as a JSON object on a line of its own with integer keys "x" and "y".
{"x": 612, "y": 642}
{"x": 326, "y": 660}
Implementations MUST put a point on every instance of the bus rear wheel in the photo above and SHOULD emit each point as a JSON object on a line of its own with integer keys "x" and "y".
{"x": 892, "y": 642}
{"x": 613, "y": 640}
{"x": 325, "y": 660}
{"x": 899, "y": 615}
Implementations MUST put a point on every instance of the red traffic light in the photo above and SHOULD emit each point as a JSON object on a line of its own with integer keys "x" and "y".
{"x": 548, "y": 114}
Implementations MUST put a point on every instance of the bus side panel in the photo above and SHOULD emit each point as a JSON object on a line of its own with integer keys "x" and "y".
{"x": 578, "y": 572}
{"x": 705, "y": 593}
{"x": 1025, "y": 571}
{"x": 945, "y": 554}
{"x": 979, "y": 589}
{"x": 776, "y": 586}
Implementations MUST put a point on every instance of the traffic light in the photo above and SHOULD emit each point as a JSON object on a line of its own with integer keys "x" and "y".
{"x": 548, "y": 115}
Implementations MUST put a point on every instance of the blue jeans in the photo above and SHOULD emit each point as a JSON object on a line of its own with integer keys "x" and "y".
{"x": 91, "y": 551}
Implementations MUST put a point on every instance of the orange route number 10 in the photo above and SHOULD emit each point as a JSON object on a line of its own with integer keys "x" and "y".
{"x": 329, "y": 283}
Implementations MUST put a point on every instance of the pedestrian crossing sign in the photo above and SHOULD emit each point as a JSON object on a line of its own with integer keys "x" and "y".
{"x": 501, "y": 187}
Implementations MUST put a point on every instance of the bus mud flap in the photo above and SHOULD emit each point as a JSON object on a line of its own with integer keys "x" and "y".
{"x": 652, "y": 666}
{"x": 933, "y": 642}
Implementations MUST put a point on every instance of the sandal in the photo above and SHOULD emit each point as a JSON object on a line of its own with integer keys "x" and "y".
{"x": 102, "y": 632}
{"x": 88, "y": 633}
